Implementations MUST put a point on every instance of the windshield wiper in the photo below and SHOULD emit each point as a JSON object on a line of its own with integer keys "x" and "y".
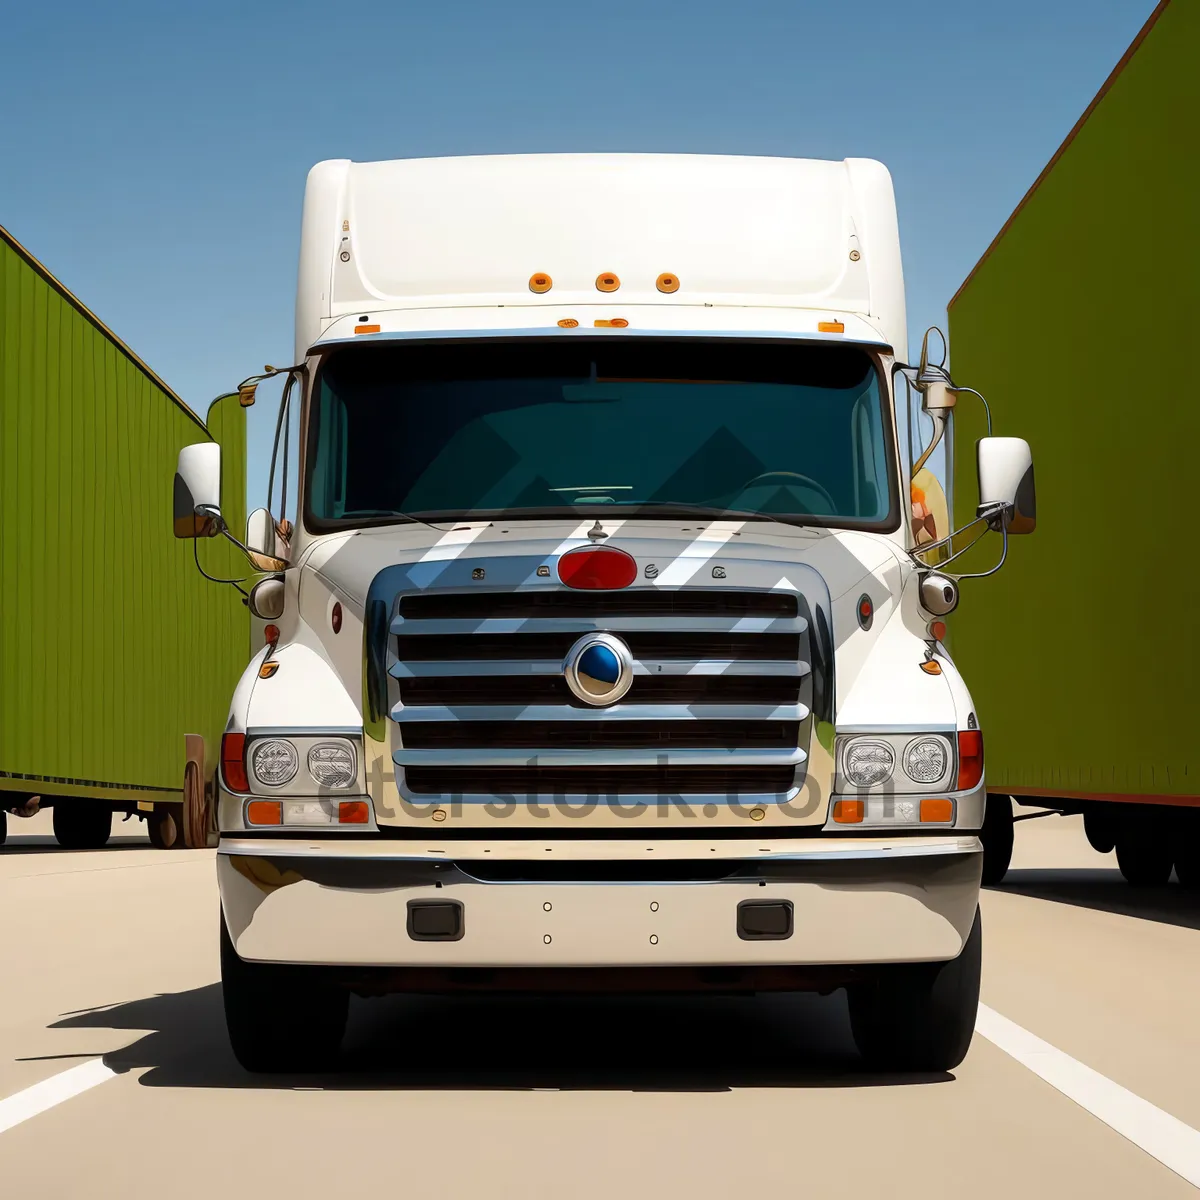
{"x": 388, "y": 514}
{"x": 684, "y": 509}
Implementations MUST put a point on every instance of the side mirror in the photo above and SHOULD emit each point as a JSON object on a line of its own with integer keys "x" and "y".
{"x": 262, "y": 545}
{"x": 197, "y": 502}
{"x": 260, "y": 533}
{"x": 266, "y": 599}
{"x": 1006, "y": 478}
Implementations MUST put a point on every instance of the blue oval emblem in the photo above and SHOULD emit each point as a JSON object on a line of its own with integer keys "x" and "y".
{"x": 599, "y": 669}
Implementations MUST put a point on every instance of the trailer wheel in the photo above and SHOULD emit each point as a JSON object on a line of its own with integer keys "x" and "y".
{"x": 997, "y": 838}
{"x": 919, "y": 1016}
{"x": 1143, "y": 855}
{"x": 1100, "y": 829}
{"x": 81, "y": 824}
{"x": 165, "y": 827}
{"x": 1187, "y": 857}
{"x": 3, "y": 827}
{"x": 280, "y": 1019}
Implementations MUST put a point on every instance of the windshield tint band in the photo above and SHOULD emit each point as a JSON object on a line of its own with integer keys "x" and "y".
{"x": 786, "y": 430}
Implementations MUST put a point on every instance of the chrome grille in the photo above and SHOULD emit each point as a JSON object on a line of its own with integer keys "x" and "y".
{"x": 720, "y": 704}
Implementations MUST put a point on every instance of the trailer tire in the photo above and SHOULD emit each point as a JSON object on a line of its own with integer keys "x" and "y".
{"x": 280, "y": 1019}
{"x": 81, "y": 824}
{"x": 165, "y": 826}
{"x": 1187, "y": 858}
{"x": 1143, "y": 855}
{"x": 3, "y": 827}
{"x": 919, "y": 1016}
{"x": 1100, "y": 828}
{"x": 997, "y": 838}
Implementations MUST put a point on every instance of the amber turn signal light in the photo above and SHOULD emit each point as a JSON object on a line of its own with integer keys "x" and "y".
{"x": 264, "y": 812}
{"x": 848, "y": 812}
{"x": 354, "y": 812}
{"x": 937, "y": 812}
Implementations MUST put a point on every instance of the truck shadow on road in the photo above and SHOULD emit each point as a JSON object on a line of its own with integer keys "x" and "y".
{"x": 415, "y": 1043}
{"x": 1107, "y": 891}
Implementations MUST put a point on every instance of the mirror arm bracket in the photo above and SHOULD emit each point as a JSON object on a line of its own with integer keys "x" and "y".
{"x": 261, "y": 562}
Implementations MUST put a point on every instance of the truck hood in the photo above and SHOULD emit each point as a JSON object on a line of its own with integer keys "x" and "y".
{"x": 683, "y": 551}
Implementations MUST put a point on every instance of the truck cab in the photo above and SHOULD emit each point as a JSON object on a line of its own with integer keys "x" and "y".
{"x": 602, "y": 654}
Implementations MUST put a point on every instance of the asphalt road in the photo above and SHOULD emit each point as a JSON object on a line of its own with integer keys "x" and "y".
{"x": 109, "y": 988}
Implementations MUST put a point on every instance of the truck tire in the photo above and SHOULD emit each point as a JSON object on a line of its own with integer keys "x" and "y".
{"x": 997, "y": 838}
{"x": 165, "y": 826}
{"x": 81, "y": 824}
{"x": 919, "y": 1016}
{"x": 1143, "y": 854}
{"x": 280, "y": 1019}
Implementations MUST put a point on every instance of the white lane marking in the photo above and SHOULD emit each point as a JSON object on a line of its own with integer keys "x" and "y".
{"x": 1159, "y": 1134}
{"x": 685, "y": 566}
{"x": 45, "y": 1095}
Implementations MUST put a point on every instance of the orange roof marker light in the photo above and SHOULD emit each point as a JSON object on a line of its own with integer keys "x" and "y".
{"x": 540, "y": 282}
{"x": 607, "y": 282}
{"x": 830, "y": 327}
{"x": 615, "y": 323}
{"x": 667, "y": 282}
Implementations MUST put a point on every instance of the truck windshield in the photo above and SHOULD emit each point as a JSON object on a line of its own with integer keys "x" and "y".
{"x": 581, "y": 426}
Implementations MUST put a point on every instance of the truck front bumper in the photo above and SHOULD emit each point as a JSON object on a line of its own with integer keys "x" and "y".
{"x": 852, "y": 901}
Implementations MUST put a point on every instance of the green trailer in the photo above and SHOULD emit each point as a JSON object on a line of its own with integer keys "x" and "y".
{"x": 117, "y": 659}
{"x": 1078, "y": 325}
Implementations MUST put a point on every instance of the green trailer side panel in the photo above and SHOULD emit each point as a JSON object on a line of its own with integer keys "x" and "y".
{"x": 1080, "y": 326}
{"x": 112, "y": 646}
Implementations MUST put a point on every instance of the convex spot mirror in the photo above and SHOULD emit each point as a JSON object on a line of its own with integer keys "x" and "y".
{"x": 1006, "y": 477}
{"x": 197, "y": 500}
{"x": 266, "y": 599}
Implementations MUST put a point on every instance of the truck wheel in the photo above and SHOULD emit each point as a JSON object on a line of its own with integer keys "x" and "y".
{"x": 919, "y": 1016}
{"x": 81, "y": 824}
{"x": 280, "y": 1019}
{"x": 1144, "y": 855}
{"x": 165, "y": 827}
{"x": 997, "y": 838}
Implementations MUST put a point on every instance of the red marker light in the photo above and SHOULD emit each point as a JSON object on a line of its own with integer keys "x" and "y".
{"x": 970, "y": 758}
{"x": 271, "y": 633}
{"x": 233, "y": 762}
{"x": 335, "y": 618}
{"x": 598, "y": 568}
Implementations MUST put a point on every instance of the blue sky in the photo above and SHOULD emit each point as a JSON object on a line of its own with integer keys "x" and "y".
{"x": 153, "y": 156}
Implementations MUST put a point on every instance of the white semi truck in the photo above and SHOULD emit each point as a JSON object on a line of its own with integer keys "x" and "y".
{"x": 603, "y": 649}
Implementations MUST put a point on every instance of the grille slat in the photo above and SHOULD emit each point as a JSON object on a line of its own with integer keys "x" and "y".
{"x": 454, "y": 735}
{"x": 638, "y": 602}
{"x": 646, "y": 689}
{"x": 623, "y": 781}
{"x": 644, "y": 644}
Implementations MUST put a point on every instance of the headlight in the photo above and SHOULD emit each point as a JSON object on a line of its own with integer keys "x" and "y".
{"x": 868, "y": 764}
{"x": 274, "y": 763}
{"x": 925, "y": 760}
{"x": 332, "y": 765}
